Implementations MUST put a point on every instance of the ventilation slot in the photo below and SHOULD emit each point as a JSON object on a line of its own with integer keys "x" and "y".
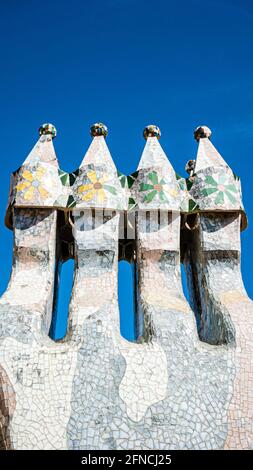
{"x": 126, "y": 295}
{"x": 63, "y": 289}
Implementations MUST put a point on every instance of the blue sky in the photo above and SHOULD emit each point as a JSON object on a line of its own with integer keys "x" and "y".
{"x": 127, "y": 63}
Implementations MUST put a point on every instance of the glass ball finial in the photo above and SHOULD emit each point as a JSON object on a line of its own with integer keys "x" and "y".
{"x": 151, "y": 131}
{"x": 48, "y": 129}
{"x": 190, "y": 167}
{"x": 98, "y": 129}
{"x": 202, "y": 132}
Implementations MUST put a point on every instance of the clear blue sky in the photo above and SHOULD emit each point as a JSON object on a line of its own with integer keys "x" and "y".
{"x": 127, "y": 63}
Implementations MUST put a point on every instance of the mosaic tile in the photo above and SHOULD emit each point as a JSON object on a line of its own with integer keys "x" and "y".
{"x": 186, "y": 382}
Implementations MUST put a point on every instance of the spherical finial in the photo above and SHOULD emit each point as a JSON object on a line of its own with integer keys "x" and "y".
{"x": 190, "y": 167}
{"x": 202, "y": 132}
{"x": 98, "y": 129}
{"x": 46, "y": 129}
{"x": 151, "y": 131}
